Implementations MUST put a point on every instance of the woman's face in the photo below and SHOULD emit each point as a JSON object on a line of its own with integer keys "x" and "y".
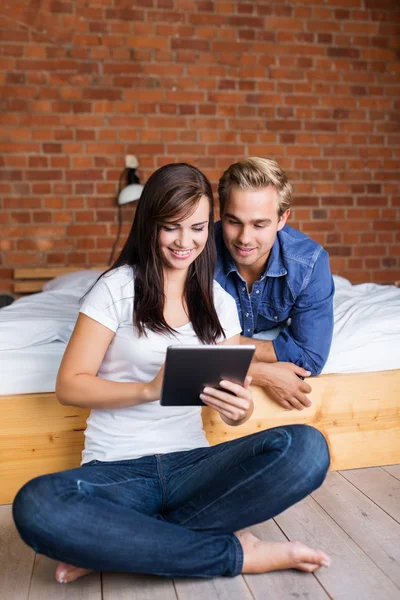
{"x": 182, "y": 242}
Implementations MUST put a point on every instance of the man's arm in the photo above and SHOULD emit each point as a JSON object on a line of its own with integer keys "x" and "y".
{"x": 303, "y": 346}
{"x": 265, "y": 351}
{"x": 283, "y": 382}
{"x": 307, "y": 340}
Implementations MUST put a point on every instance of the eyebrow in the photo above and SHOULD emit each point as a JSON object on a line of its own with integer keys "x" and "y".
{"x": 177, "y": 224}
{"x": 255, "y": 221}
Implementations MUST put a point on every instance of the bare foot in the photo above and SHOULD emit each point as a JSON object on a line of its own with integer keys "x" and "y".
{"x": 66, "y": 573}
{"x": 262, "y": 557}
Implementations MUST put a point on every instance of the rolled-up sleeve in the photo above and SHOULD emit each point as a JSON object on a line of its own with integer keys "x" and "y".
{"x": 307, "y": 340}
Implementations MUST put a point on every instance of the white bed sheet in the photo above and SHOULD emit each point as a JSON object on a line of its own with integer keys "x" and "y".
{"x": 38, "y": 319}
{"x": 34, "y": 332}
{"x": 30, "y": 370}
{"x": 366, "y": 335}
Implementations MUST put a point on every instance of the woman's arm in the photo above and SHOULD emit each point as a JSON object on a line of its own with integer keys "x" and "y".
{"x": 77, "y": 382}
{"x": 236, "y": 404}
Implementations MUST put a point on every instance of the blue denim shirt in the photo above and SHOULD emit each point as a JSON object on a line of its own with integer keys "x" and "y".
{"x": 296, "y": 284}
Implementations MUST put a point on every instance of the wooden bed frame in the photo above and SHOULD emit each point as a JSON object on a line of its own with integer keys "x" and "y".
{"x": 359, "y": 415}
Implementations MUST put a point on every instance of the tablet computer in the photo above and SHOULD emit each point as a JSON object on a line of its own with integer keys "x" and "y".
{"x": 188, "y": 369}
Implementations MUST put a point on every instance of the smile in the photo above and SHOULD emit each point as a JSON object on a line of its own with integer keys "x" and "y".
{"x": 244, "y": 251}
{"x": 180, "y": 253}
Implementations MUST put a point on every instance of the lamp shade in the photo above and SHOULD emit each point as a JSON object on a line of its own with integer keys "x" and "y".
{"x": 130, "y": 193}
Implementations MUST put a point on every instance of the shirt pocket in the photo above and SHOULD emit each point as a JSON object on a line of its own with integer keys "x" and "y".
{"x": 270, "y": 316}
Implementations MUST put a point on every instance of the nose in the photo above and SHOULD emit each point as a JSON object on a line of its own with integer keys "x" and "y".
{"x": 183, "y": 240}
{"x": 244, "y": 236}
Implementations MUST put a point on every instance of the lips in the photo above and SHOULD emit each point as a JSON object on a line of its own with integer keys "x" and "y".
{"x": 180, "y": 254}
{"x": 244, "y": 251}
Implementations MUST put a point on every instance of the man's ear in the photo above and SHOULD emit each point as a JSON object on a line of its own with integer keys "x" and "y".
{"x": 283, "y": 219}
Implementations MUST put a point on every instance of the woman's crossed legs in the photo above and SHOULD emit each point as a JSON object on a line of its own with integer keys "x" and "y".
{"x": 175, "y": 514}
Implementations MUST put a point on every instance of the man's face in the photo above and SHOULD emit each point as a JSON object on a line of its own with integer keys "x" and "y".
{"x": 250, "y": 223}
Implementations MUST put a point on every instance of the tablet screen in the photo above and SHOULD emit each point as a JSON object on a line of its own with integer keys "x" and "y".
{"x": 188, "y": 369}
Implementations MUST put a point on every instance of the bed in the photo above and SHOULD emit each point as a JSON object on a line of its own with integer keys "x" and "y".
{"x": 356, "y": 401}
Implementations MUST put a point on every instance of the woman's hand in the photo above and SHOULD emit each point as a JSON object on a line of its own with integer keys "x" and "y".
{"x": 153, "y": 388}
{"x": 235, "y": 405}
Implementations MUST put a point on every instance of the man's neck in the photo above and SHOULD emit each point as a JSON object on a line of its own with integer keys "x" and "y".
{"x": 250, "y": 274}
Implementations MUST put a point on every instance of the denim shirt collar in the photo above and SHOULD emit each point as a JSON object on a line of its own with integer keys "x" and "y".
{"x": 273, "y": 268}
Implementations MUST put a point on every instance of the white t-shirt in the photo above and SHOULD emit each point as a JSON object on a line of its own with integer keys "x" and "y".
{"x": 144, "y": 429}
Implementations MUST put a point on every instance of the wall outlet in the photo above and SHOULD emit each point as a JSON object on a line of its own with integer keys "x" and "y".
{"x": 131, "y": 162}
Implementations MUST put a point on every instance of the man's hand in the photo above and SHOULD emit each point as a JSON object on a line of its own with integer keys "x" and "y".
{"x": 282, "y": 379}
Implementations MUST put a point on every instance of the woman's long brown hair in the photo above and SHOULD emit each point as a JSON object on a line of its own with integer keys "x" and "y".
{"x": 171, "y": 193}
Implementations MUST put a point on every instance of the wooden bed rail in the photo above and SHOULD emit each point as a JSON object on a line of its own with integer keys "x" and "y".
{"x": 358, "y": 414}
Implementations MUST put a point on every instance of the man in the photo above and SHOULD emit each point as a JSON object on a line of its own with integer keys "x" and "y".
{"x": 279, "y": 277}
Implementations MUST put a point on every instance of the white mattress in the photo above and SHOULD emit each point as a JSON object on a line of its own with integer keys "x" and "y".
{"x": 34, "y": 332}
{"x": 30, "y": 370}
{"x": 366, "y": 334}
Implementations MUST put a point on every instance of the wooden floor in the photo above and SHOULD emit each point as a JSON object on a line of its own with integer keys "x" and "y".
{"x": 354, "y": 517}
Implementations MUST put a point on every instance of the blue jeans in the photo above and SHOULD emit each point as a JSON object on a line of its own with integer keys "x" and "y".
{"x": 171, "y": 514}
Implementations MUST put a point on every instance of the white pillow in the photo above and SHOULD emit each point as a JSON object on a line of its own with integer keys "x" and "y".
{"x": 341, "y": 283}
{"x": 76, "y": 283}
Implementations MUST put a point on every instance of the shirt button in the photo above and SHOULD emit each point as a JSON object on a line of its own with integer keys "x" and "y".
{"x": 243, "y": 289}
{"x": 247, "y": 314}
{"x": 258, "y": 291}
{"x": 276, "y": 318}
{"x": 248, "y": 330}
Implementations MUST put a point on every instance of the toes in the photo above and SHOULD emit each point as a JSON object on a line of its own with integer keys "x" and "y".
{"x": 325, "y": 561}
{"x": 61, "y": 572}
{"x": 67, "y": 573}
{"x": 308, "y": 567}
{"x": 300, "y": 553}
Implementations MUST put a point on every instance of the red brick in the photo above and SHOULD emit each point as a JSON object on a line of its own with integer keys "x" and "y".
{"x": 21, "y": 217}
{"x": 85, "y": 243}
{"x": 52, "y": 148}
{"x": 101, "y": 94}
{"x": 82, "y": 162}
{"x": 77, "y": 175}
{"x": 38, "y": 161}
{"x": 93, "y": 230}
{"x": 43, "y": 175}
{"x": 41, "y": 188}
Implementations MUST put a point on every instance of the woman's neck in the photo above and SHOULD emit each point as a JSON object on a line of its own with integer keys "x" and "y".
{"x": 175, "y": 279}
{"x": 175, "y": 308}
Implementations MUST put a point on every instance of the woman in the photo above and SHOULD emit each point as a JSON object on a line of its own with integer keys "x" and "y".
{"x": 151, "y": 496}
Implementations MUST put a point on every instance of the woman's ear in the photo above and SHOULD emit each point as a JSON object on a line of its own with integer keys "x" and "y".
{"x": 283, "y": 218}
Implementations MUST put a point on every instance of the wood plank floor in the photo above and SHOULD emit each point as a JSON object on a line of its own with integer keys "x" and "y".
{"x": 354, "y": 517}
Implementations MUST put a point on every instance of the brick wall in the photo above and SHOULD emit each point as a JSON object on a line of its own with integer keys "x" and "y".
{"x": 313, "y": 83}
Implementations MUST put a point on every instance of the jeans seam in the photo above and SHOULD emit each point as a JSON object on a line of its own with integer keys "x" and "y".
{"x": 162, "y": 481}
{"x": 239, "y": 556}
{"x": 233, "y": 489}
{"x": 79, "y": 481}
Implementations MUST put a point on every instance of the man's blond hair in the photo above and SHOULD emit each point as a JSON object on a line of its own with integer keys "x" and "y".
{"x": 255, "y": 173}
